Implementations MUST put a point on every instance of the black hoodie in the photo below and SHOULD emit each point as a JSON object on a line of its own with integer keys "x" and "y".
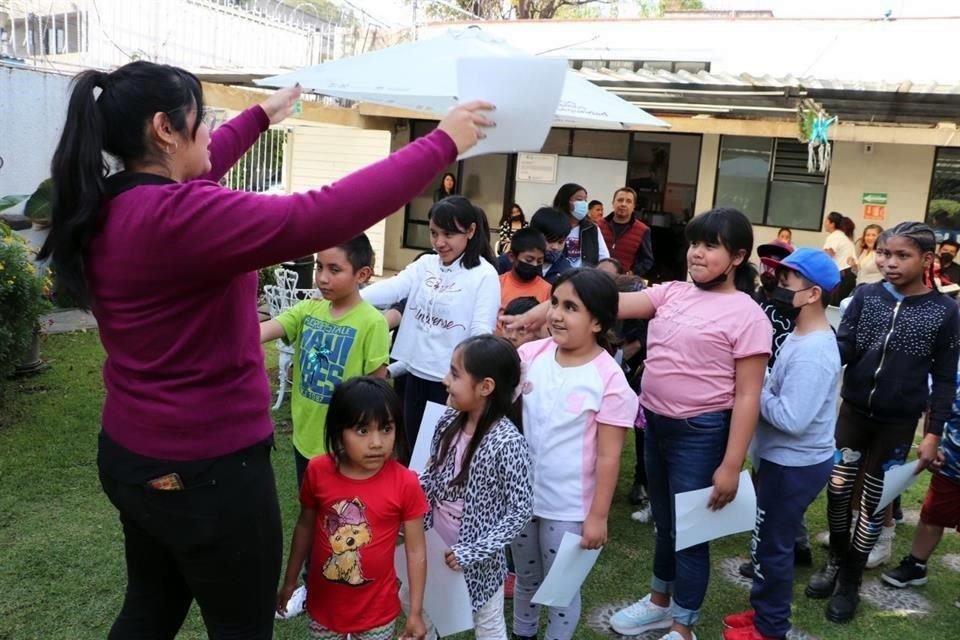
{"x": 892, "y": 346}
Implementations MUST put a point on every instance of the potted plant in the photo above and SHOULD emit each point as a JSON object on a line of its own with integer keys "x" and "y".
{"x": 25, "y": 289}
{"x": 24, "y": 297}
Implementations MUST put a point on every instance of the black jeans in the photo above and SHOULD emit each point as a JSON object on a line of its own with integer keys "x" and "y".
{"x": 218, "y": 541}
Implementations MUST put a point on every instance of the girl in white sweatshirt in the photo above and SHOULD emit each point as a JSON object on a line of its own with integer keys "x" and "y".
{"x": 451, "y": 295}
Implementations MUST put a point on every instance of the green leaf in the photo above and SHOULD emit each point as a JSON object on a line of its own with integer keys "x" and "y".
{"x": 40, "y": 205}
{"x": 8, "y": 201}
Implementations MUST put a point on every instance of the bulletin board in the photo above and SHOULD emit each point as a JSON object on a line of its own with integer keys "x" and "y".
{"x": 599, "y": 177}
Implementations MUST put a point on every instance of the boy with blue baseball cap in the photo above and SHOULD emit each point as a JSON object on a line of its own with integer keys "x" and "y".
{"x": 793, "y": 448}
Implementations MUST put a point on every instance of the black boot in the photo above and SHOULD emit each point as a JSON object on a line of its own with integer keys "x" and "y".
{"x": 842, "y": 606}
{"x": 823, "y": 583}
{"x": 802, "y": 557}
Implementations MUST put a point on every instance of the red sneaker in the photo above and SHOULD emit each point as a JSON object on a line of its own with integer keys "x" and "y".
{"x": 740, "y": 620}
{"x": 509, "y": 584}
{"x": 745, "y": 633}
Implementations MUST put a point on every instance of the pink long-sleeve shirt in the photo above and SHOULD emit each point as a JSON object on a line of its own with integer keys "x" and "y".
{"x": 172, "y": 273}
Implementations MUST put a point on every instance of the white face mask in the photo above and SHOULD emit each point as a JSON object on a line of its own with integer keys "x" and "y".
{"x": 580, "y": 209}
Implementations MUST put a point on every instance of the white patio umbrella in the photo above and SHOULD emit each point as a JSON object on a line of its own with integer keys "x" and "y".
{"x": 422, "y": 76}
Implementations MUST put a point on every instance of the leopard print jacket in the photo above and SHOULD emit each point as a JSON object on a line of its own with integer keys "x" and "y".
{"x": 497, "y": 502}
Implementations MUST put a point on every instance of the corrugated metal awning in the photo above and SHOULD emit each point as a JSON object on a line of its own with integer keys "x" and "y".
{"x": 748, "y": 96}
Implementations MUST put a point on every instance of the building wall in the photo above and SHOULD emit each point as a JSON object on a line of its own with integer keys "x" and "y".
{"x": 34, "y": 107}
{"x": 901, "y": 171}
{"x": 395, "y": 256}
{"x": 320, "y": 155}
{"x": 707, "y": 178}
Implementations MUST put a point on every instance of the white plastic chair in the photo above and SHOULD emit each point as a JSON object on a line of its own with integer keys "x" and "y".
{"x": 281, "y": 297}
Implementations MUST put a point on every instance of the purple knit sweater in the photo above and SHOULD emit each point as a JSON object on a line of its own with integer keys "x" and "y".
{"x": 174, "y": 288}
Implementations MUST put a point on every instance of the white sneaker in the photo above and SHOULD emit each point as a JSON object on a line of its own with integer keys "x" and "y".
{"x": 295, "y": 604}
{"x": 823, "y": 538}
{"x": 643, "y": 514}
{"x": 641, "y": 616}
{"x": 675, "y": 635}
{"x": 883, "y": 549}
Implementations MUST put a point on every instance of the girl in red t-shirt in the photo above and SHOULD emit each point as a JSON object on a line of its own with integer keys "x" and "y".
{"x": 353, "y": 502}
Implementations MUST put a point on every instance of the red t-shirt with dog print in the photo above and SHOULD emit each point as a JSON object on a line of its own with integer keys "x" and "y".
{"x": 352, "y": 585}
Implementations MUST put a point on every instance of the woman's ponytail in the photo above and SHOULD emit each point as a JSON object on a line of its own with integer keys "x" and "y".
{"x": 78, "y": 170}
{"x": 111, "y": 121}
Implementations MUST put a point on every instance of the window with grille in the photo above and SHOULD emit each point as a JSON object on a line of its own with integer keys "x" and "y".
{"x": 767, "y": 179}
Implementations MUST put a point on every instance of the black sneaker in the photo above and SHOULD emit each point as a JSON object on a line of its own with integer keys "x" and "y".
{"x": 802, "y": 557}
{"x": 746, "y": 570}
{"x": 909, "y": 573}
{"x": 843, "y": 603}
{"x": 822, "y": 584}
{"x": 637, "y": 495}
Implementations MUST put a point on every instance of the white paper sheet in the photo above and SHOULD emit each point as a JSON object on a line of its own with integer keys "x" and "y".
{"x": 428, "y": 426}
{"x": 570, "y": 568}
{"x": 526, "y": 91}
{"x": 895, "y": 481}
{"x": 446, "y": 600}
{"x": 696, "y": 523}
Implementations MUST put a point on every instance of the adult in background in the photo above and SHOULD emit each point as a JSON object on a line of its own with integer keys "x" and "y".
{"x": 839, "y": 246}
{"x": 584, "y": 244}
{"x": 866, "y": 268}
{"x": 184, "y": 454}
{"x": 628, "y": 239}
{"x": 947, "y": 258}
{"x": 448, "y": 187}
{"x": 510, "y": 223}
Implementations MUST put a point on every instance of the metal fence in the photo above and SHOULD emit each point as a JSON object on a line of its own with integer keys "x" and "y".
{"x": 263, "y": 168}
{"x": 211, "y": 34}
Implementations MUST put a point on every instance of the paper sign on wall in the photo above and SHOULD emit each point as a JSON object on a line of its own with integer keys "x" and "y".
{"x": 874, "y": 206}
{"x": 537, "y": 167}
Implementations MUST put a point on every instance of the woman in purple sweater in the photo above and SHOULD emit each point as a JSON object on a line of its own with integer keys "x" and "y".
{"x": 165, "y": 259}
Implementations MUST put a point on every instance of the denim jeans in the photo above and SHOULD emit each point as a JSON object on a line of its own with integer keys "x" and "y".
{"x": 681, "y": 455}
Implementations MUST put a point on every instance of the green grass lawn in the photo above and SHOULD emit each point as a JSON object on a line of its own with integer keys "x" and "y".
{"x": 61, "y": 566}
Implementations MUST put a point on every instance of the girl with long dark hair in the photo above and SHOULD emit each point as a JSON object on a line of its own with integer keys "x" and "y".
{"x": 451, "y": 295}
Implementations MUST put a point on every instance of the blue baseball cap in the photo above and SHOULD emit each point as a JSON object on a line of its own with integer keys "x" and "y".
{"x": 813, "y": 264}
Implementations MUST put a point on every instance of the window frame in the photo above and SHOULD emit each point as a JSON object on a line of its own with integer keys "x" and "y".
{"x": 405, "y": 240}
{"x": 933, "y": 177}
{"x": 771, "y": 170}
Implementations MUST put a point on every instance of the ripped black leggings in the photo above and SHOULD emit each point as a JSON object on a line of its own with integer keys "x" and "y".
{"x": 862, "y": 442}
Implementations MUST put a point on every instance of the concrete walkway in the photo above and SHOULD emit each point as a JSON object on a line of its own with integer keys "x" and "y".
{"x": 67, "y": 320}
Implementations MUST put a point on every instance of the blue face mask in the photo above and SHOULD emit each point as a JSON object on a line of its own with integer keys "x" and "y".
{"x": 551, "y": 257}
{"x": 580, "y": 209}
